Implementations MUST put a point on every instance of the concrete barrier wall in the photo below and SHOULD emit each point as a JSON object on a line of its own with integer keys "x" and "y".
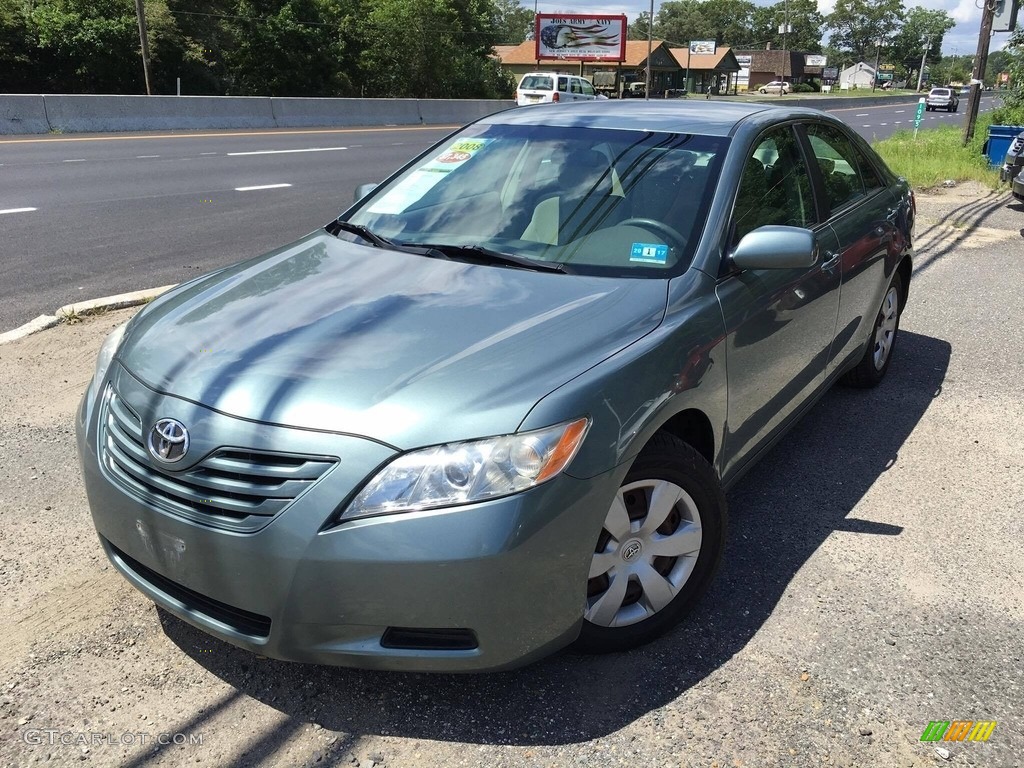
{"x": 22, "y": 114}
{"x": 30, "y": 113}
{"x": 300, "y": 113}
{"x": 75, "y": 114}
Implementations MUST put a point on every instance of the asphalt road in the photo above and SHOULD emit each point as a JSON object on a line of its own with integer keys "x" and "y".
{"x": 110, "y": 214}
{"x": 89, "y": 216}
{"x": 880, "y": 122}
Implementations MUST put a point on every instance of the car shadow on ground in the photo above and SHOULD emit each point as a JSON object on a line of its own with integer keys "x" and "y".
{"x": 781, "y": 512}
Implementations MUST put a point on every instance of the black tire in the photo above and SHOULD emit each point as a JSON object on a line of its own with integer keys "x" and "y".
{"x": 669, "y": 459}
{"x": 867, "y": 373}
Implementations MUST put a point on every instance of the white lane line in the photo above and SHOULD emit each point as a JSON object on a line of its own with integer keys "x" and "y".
{"x": 897, "y": 122}
{"x": 865, "y": 126}
{"x": 18, "y": 210}
{"x": 883, "y": 123}
{"x": 285, "y": 151}
{"x": 261, "y": 186}
{"x": 77, "y": 160}
{"x": 863, "y": 114}
{"x": 899, "y": 111}
{"x": 145, "y": 157}
{"x": 207, "y": 153}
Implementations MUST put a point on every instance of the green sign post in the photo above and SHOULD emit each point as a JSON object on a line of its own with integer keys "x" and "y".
{"x": 919, "y": 115}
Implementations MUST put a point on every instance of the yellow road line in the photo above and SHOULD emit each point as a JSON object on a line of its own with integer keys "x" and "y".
{"x": 137, "y": 137}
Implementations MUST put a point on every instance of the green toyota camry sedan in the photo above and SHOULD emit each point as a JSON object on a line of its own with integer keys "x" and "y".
{"x": 492, "y": 410}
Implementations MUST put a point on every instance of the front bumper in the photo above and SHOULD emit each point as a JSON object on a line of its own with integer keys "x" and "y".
{"x": 510, "y": 573}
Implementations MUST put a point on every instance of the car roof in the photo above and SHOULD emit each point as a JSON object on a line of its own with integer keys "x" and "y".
{"x": 708, "y": 118}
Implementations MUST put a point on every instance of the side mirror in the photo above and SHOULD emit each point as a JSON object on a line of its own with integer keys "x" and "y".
{"x": 363, "y": 190}
{"x": 776, "y": 247}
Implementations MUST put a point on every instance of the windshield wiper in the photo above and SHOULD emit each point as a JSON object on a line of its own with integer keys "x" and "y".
{"x": 360, "y": 231}
{"x": 483, "y": 255}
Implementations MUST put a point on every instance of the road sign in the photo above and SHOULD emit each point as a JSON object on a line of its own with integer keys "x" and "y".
{"x": 918, "y": 117}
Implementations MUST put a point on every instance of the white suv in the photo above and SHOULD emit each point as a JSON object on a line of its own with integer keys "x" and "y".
{"x": 540, "y": 87}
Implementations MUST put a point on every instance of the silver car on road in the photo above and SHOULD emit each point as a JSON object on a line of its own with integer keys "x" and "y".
{"x": 492, "y": 410}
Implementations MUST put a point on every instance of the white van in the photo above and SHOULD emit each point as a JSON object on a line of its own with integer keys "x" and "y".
{"x": 540, "y": 87}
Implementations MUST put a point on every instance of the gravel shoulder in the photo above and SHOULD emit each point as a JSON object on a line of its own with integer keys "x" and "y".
{"x": 873, "y": 582}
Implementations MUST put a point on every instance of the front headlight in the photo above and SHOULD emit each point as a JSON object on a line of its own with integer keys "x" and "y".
{"x": 462, "y": 473}
{"x": 107, "y": 352}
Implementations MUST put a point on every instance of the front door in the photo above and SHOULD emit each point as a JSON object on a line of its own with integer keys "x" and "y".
{"x": 780, "y": 322}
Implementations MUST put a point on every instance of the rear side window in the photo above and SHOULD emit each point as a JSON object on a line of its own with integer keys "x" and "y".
{"x": 563, "y": 84}
{"x": 576, "y": 87}
{"x": 536, "y": 83}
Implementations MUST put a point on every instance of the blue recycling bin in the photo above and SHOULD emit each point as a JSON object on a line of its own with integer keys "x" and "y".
{"x": 999, "y": 139}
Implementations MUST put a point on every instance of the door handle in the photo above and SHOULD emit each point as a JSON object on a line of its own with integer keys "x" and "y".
{"x": 831, "y": 260}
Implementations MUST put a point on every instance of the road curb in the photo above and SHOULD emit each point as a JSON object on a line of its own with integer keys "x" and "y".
{"x": 40, "y": 323}
{"x": 118, "y": 301}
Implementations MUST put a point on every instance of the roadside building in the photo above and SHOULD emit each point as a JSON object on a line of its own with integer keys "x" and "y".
{"x": 670, "y": 67}
{"x": 859, "y": 75}
{"x": 763, "y": 65}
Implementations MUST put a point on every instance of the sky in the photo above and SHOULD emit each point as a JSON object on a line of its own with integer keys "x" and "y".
{"x": 962, "y": 40}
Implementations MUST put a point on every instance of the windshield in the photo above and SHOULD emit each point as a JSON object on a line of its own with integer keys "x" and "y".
{"x": 599, "y": 201}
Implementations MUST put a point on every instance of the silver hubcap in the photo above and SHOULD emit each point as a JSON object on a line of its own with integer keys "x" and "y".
{"x": 645, "y": 554}
{"x": 885, "y": 331}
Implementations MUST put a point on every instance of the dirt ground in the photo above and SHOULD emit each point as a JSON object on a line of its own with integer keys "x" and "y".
{"x": 874, "y": 581}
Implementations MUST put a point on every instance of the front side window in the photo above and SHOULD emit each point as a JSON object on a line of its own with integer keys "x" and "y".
{"x": 775, "y": 187}
{"x": 597, "y": 201}
{"x": 840, "y": 164}
{"x": 588, "y": 89}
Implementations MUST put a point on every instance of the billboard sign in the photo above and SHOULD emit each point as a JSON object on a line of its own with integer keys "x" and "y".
{"x": 815, "y": 60}
{"x": 830, "y": 73}
{"x": 702, "y": 47}
{"x": 743, "y": 76}
{"x": 586, "y": 38}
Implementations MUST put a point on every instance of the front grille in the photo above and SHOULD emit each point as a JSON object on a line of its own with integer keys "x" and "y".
{"x": 242, "y": 621}
{"x": 234, "y": 489}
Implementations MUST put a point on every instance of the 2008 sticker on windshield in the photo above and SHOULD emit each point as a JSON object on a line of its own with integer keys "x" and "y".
{"x": 414, "y": 186}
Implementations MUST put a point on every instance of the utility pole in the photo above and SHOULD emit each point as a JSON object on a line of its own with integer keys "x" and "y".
{"x": 920, "y": 71}
{"x": 140, "y": 11}
{"x": 785, "y": 33}
{"x": 980, "y": 62}
{"x": 878, "y": 50}
{"x": 650, "y": 43}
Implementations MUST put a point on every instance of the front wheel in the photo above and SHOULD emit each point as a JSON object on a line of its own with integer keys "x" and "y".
{"x": 659, "y": 547}
{"x": 872, "y": 367}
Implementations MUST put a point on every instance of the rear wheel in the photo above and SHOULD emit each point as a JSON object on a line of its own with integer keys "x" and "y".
{"x": 660, "y": 544}
{"x": 873, "y": 366}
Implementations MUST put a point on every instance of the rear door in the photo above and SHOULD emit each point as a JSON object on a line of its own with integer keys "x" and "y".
{"x": 863, "y": 213}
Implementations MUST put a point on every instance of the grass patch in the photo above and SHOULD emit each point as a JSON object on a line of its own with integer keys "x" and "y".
{"x": 937, "y": 155}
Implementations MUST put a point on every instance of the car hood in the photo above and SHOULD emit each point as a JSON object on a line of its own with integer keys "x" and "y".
{"x": 326, "y": 334}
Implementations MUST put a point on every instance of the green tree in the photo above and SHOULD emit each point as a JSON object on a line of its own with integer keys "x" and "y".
{"x": 512, "y": 22}
{"x": 16, "y": 50}
{"x": 857, "y": 24}
{"x": 431, "y": 49}
{"x": 87, "y": 46}
{"x": 805, "y": 24}
{"x": 288, "y": 48}
{"x": 727, "y": 22}
{"x": 638, "y": 30}
{"x": 922, "y": 28}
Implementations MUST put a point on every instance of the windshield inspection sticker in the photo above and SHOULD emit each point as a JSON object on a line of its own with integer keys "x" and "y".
{"x": 649, "y": 253}
{"x": 414, "y": 186}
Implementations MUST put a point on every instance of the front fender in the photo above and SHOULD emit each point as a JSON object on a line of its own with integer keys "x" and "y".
{"x": 681, "y": 365}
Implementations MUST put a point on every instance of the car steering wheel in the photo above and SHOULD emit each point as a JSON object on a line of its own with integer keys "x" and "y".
{"x": 669, "y": 235}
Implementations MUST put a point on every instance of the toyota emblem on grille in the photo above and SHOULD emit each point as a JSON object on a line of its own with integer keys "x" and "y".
{"x": 168, "y": 440}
